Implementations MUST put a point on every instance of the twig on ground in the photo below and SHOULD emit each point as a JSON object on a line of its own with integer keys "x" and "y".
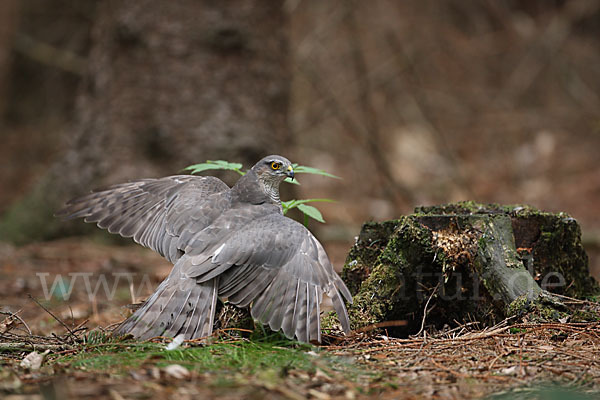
{"x": 425, "y": 311}
{"x": 75, "y": 338}
{"x": 384, "y": 324}
{"x": 25, "y": 346}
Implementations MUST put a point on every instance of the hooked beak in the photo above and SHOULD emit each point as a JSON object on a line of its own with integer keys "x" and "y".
{"x": 290, "y": 172}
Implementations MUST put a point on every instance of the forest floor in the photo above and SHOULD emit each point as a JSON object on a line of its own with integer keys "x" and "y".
{"x": 61, "y": 298}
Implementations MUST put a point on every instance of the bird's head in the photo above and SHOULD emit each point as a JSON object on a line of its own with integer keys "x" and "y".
{"x": 268, "y": 173}
{"x": 273, "y": 169}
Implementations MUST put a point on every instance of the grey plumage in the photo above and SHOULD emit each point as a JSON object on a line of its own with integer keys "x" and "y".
{"x": 232, "y": 243}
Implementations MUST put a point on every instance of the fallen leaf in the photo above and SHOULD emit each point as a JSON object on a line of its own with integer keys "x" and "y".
{"x": 33, "y": 360}
{"x": 114, "y": 395}
{"x": 176, "y": 371}
{"x": 510, "y": 370}
{"x": 320, "y": 375}
{"x": 7, "y": 324}
{"x": 319, "y": 395}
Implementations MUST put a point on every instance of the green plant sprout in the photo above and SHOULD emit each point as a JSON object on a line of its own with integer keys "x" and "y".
{"x": 307, "y": 210}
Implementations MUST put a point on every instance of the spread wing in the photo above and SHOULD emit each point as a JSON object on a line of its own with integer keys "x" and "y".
{"x": 279, "y": 266}
{"x": 154, "y": 212}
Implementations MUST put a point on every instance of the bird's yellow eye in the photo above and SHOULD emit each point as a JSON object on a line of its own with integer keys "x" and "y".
{"x": 275, "y": 165}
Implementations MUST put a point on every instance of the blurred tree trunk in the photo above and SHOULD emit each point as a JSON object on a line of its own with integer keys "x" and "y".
{"x": 169, "y": 83}
{"x": 8, "y": 24}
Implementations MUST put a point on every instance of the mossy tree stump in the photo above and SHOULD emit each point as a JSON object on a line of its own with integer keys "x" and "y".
{"x": 472, "y": 262}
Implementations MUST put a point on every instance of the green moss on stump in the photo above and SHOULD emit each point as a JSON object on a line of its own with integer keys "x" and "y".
{"x": 542, "y": 309}
{"x": 372, "y": 240}
{"x": 378, "y": 299}
{"x": 394, "y": 266}
{"x": 398, "y": 282}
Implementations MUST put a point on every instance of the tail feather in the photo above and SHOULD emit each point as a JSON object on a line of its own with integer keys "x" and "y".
{"x": 315, "y": 316}
{"x": 195, "y": 316}
{"x": 340, "y": 309}
{"x": 130, "y": 324}
{"x": 179, "y": 306}
{"x": 205, "y": 323}
{"x": 182, "y": 309}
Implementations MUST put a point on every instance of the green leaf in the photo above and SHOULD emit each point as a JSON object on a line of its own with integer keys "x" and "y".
{"x": 293, "y": 181}
{"x": 311, "y": 211}
{"x": 213, "y": 165}
{"x": 304, "y": 201}
{"x": 288, "y": 205}
{"x": 302, "y": 169}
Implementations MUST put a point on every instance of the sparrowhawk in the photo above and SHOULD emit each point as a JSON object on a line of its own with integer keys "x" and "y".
{"x": 229, "y": 243}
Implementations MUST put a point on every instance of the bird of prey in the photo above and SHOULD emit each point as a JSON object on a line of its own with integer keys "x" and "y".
{"x": 229, "y": 243}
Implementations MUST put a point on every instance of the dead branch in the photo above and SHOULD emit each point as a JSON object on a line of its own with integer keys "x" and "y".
{"x": 71, "y": 333}
{"x": 49, "y": 55}
{"x": 425, "y": 309}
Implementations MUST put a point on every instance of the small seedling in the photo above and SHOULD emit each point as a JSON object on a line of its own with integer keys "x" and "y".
{"x": 307, "y": 210}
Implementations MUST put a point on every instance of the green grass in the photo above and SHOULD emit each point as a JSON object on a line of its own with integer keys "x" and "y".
{"x": 239, "y": 355}
{"x": 269, "y": 357}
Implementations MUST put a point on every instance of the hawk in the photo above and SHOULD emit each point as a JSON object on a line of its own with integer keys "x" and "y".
{"x": 229, "y": 243}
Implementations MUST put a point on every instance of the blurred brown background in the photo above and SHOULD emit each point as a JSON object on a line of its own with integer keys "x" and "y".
{"x": 410, "y": 102}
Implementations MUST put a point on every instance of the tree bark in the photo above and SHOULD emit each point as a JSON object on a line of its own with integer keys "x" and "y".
{"x": 168, "y": 84}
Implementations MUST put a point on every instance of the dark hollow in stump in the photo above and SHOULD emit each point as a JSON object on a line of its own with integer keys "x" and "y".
{"x": 472, "y": 262}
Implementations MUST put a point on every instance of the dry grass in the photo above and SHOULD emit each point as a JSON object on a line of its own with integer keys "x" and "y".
{"x": 464, "y": 363}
